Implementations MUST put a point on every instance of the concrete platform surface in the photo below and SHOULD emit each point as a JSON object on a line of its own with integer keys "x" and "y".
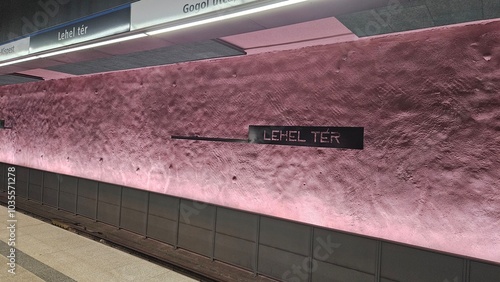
{"x": 44, "y": 252}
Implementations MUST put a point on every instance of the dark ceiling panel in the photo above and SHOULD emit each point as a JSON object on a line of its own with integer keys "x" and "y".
{"x": 162, "y": 56}
{"x": 491, "y": 9}
{"x": 16, "y": 79}
{"x": 406, "y": 19}
{"x": 406, "y": 15}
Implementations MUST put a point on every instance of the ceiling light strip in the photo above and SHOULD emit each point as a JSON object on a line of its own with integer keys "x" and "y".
{"x": 225, "y": 17}
{"x": 163, "y": 30}
{"x": 18, "y": 61}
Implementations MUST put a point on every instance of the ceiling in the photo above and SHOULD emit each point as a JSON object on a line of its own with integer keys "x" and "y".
{"x": 405, "y": 15}
{"x": 159, "y": 56}
{"x": 313, "y": 22}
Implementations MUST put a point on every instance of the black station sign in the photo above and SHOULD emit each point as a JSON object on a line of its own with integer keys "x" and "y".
{"x": 311, "y": 136}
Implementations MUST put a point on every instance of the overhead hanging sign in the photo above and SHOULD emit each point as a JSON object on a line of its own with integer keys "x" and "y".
{"x": 93, "y": 27}
{"x": 14, "y": 49}
{"x": 309, "y": 136}
{"x": 148, "y": 13}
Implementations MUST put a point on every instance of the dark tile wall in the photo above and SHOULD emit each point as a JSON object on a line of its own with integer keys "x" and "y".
{"x": 276, "y": 248}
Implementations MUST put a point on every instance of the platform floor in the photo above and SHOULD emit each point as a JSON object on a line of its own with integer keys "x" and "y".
{"x": 45, "y": 252}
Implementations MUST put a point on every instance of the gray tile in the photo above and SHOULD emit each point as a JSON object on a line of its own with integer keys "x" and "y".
{"x": 53, "y": 250}
{"x": 333, "y": 273}
{"x": 86, "y": 207}
{"x": 50, "y": 197}
{"x": 135, "y": 199}
{"x": 51, "y": 180}
{"x": 67, "y": 201}
{"x": 109, "y": 193}
{"x": 163, "y": 206}
{"x": 35, "y": 192}
{"x": 345, "y": 250}
{"x": 281, "y": 265}
{"x": 170, "y": 276}
{"x": 237, "y": 224}
{"x": 164, "y": 230}
{"x": 133, "y": 220}
{"x": 285, "y": 235}
{"x": 36, "y": 177}
{"x": 21, "y": 274}
{"x": 406, "y": 264}
{"x": 197, "y": 214}
{"x": 482, "y": 272}
{"x": 235, "y": 251}
{"x": 22, "y": 174}
{"x": 21, "y": 188}
{"x": 131, "y": 271}
{"x": 87, "y": 188}
{"x": 3, "y": 173}
{"x": 196, "y": 239}
{"x": 68, "y": 183}
{"x": 108, "y": 213}
{"x": 36, "y": 267}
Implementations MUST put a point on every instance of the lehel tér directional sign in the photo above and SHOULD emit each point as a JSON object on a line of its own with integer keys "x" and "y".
{"x": 89, "y": 28}
{"x": 311, "y": 136}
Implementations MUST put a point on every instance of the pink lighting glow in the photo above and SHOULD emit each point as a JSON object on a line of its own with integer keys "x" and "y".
{"x": 429, "y": 174}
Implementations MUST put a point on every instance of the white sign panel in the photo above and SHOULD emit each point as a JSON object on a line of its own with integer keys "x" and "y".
{"x": 15, "y": 49}
{"x": 148, "y": 13}
{"x": 83, "y": 30}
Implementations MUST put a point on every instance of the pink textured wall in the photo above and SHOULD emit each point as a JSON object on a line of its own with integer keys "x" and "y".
{"x": 429, "y": 101}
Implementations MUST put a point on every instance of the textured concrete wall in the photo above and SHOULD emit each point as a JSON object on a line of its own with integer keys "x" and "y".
{"x": 429, "y": 101}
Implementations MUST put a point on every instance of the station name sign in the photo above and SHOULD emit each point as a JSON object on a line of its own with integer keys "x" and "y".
{"x": 14, "y": 49}
{"x": 154, "y": 12}
{"x": 332, "y": 137}
{"x": 90, "y": 28}
{"x": 309, "y": 136}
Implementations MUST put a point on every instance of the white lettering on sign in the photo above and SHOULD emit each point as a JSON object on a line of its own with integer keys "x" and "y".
{"x": 154, "y": 12}
{"x": 197, "y": 7}
{"x": 7, "y": 50}
{"x": 326, "y": 137}
{"x": 72, "y": 32}
{"x": 295, "y": 136}
{"x": 14, "y": 49}
{"x": 283, "y": 135}
{"x": 311, "y": 136}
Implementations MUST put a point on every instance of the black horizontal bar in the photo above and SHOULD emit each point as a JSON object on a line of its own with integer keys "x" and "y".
{"x": 210, "y": 139}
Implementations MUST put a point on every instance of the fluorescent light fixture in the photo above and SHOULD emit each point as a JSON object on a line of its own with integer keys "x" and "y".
{"x": 93, "y": 45}
{"x": 18, "y": 61}
{"x": 168, "y": 29}
{"x": 74, "y": 49}
{"x": 228, "y": 16}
